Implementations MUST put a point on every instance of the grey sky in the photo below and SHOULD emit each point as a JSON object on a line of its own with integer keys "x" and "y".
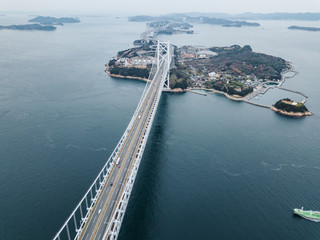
{"x": 163, "y": 6}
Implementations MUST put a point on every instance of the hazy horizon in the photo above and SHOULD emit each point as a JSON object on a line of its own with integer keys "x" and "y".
{"x": 166, "y": 7}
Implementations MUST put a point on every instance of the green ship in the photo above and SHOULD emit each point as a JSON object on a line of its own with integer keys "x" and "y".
{"x": 308, "y": 214}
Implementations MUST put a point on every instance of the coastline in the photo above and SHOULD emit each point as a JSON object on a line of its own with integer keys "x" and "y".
{"x": 124, "y": 77}
{"x": 290, "y": 69}
{"x": 290, "y": 114}
{"x": 233, "y": 98}
{"x": 238, "y": 98}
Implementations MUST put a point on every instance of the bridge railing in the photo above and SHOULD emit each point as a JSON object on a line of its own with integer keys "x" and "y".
{"x": 74, "y": 224}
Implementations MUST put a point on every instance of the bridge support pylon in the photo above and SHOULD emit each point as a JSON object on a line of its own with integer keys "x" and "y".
{"x": 164, "y": 54}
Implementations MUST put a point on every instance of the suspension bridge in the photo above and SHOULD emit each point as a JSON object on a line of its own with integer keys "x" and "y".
{"x": 100, "y": 212}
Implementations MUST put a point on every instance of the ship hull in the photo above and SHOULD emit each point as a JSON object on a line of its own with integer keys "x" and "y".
{"x": 308, "y": 215}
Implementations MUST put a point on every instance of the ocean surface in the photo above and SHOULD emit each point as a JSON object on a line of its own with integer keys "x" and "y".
{"x": 212, "y": 168}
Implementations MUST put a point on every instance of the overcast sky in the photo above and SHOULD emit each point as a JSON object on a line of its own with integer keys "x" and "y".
{"x": 161, "y": 7}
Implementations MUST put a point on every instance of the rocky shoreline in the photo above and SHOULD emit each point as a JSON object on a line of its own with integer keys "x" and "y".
{"x": 128, "y": 77}
{"x": 290, "y": 114}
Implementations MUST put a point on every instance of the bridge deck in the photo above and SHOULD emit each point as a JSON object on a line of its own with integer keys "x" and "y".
{"x": 111, "y": 192}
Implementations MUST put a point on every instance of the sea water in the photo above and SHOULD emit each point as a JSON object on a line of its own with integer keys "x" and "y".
{"x": 212, "y": 168}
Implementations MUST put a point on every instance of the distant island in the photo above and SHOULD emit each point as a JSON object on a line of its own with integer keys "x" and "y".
{"x": 307, "y": 16}
{"x": 228, "y": 23}
{"x": 182, "y": 18}
{"x": 311, "y": 29}
{"x": 276, "y": 16}
{"x": 42, "y": 24}
{"x": 169, "y": 28}
{"x": 29, "y": 27}
{"x": 290, "y": 108}
{"x": 53, "y": 20}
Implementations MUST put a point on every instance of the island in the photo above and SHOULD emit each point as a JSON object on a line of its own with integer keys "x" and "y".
{"x": 233, "y": 69}
{"x": 239, "y": 73}
{"x": 307, "y": 16}
{"x": 41, "y": 24}
{"x": 311, "y": 29}
{"x": 29, "y": 27}
{"x": 228, "y": 23}
{"x": 290, "y": 108}
{"x": 53, "y": 20}
{"x": 169, "y": 28}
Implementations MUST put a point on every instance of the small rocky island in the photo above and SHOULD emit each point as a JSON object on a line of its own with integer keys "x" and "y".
{"x": 310, "y": 29}
{"x": 290, "y": 108}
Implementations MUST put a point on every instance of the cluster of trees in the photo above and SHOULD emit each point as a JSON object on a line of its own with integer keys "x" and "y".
{"x": 178, "y": 82}
{"x": 132, "y": 52}
{"x": 132, "y": 72}
{"x": 112, "y": 62}
{"x": 248, "y": 62}
{"x": 284, "y": 104}
{"x": 244, "y": 91}
{"x": 179, "y": 78}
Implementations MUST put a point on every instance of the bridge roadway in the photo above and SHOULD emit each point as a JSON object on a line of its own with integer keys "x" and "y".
{"x": 109, "y": 198}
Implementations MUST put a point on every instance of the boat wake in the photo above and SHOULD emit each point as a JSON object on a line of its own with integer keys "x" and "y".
{"x": 282, "y": 165}
{"x": 234, "y": 174}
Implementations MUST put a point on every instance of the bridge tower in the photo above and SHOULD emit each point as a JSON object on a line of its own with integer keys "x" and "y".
{"x": 163, "y": 58}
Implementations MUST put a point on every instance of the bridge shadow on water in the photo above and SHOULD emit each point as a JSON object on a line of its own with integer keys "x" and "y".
{"x": 141, "y": 213}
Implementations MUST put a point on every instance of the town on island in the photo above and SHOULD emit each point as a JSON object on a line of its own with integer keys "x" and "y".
{"x": 237, "y": 72}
